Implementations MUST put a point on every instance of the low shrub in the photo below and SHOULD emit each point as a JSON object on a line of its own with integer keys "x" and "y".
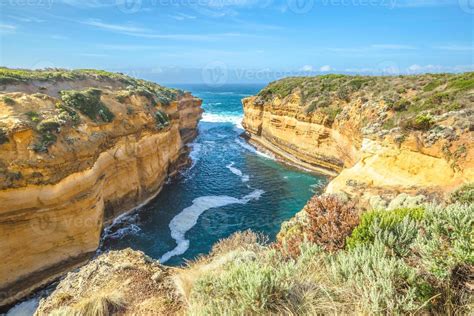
{"x": 48, "y": 126}
{"x": 46, "y": 139}
{"x": 396, "y": 229}
{"x": 88, "y": 103}
{"x": 33, "y": 116}
{"x": 382, "y": 284}
{"x": 421, "y": 122}
{"x": 8, "y": 101}
{"x": 464, "y": 194}
{"x": 330, "y": 222}
{"x": 401, "y": 105}
{"x": 162, "y": 119}
{"x": 447, "y": 240}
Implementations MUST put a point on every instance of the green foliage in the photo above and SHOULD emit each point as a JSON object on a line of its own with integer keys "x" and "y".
{"x": 448, "y": 239}
{"x": 243, "y": 288}
{"x": 46, "y": 139}
{"x": 464, "y": 194}
{"x": 401, "y": 105}
{"x": 33, "y": 116}
{"x": 384, "y": 284}
{"x": 157, "y": 92}
{"x": 432, "y": 85}
{"x": 48, "y": 126}
{"x": 462, "y": 82}
{"x": 395, "y": 229}
{"x": 8, "y": 101}
{"x": 422, "y": 122}
{"x": 88, "y": 103}
{"x": 3, "y": 136}
{"x": 162, "y": 119}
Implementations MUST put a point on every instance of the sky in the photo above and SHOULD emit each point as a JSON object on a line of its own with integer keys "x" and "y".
{"x": 223, "y": 41}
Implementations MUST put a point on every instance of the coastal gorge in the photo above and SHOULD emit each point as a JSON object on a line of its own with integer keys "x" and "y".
{"x": 397, "y": 152}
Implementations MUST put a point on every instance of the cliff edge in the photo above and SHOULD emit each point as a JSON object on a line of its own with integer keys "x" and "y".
{"x": 379, "y": 136}
{"x": 77, "y": 149}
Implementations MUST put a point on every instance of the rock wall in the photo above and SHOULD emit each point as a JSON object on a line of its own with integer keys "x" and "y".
{"x": 54, "y": 204}
{"x": 372, "y": 165}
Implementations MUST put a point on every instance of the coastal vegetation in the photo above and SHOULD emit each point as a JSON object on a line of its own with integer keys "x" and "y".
{"x": 400, "y": 261}
{"x": 88, "y": 103}
{"x": 153, "y": 91}
{"x": 411, "y": 101}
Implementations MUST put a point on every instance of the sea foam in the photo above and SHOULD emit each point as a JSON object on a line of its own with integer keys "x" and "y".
{"x": 188, "y": 218}
{"x": 237, "y": 172}
{"x": 223, "y": 118}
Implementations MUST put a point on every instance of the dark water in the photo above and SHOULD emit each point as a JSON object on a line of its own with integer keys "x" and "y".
{"x": 230, "y": 187}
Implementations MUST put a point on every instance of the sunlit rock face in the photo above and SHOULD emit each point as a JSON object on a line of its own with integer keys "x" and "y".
{"x": 375, "y": 147}
{"x": 57, "y": 195}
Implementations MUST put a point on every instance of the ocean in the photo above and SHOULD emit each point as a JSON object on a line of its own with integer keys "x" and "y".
{"x": 230, "y": 187}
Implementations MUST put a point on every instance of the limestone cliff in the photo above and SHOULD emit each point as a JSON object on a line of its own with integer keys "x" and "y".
{"x": 381, "y": 136}
{"x": 77, "y": 149}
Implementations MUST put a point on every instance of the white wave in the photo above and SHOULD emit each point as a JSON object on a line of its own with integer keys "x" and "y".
{"x": 237, "y": 172}
{"x": 194, "y": 154}
{"x": 188, "y": 218}
{"x": 25, "y": 308}
{"x": 121, "y": 232}
{"x": 222, "y": 118}
{"x": 253, "y": 149}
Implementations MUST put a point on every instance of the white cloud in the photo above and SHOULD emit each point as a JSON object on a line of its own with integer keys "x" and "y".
{"x": 115, "y": 27}
{"x": 307, "y": 68}
{"x": 423, "y": 3}
{"x": 392, "y": 46}
{"x": 182, "y": 17}
{"x": 325, "y": 68}
{"x": 25, "y": 19}
{"x": 7, "y": 28}
{"x": 459, "y": 48}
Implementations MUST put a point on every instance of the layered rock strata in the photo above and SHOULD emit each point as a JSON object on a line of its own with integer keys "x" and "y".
{"x": 65, "y": 173}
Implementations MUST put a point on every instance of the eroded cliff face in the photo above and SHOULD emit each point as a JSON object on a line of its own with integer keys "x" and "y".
{"x": 362, "y": 138}
{"x": 63, "y": 179}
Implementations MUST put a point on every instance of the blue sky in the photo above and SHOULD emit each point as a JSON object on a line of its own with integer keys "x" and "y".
{"x": 239, "y": 40}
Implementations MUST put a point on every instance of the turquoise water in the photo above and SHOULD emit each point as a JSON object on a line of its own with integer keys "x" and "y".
{"x": 230, "y": 187}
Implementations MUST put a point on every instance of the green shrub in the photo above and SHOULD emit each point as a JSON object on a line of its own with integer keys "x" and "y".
{"x": 462, "y": 82}
{"x": 422, "y": 122}
{"x": 385, "y": 225}
{"x": 243, "y": 288}
{"x": 33, "y": 116}
{"x": 162, "y": 119}
{"x": 448, "y": 239}
{"x": 464, "y": 194}
{"x": 432, "y": 85}
{"x": 331, "y": 113}
{"x": 401, "y": 105}
{"x": 8, "y": 101}
{"x": 46, "y": 140}
{"x": 3, "y": 136}
{"x": 381, "y": 283}
{"x": 88, "y": 103}
{"x": 48, "y": 126}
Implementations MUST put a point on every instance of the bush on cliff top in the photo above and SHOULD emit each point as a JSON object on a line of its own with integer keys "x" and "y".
{"x": 399, "y": 262}
{"x": 158, "y": 93}
{"x": 88, "y": 103}
{"x": 330, "y": 222}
